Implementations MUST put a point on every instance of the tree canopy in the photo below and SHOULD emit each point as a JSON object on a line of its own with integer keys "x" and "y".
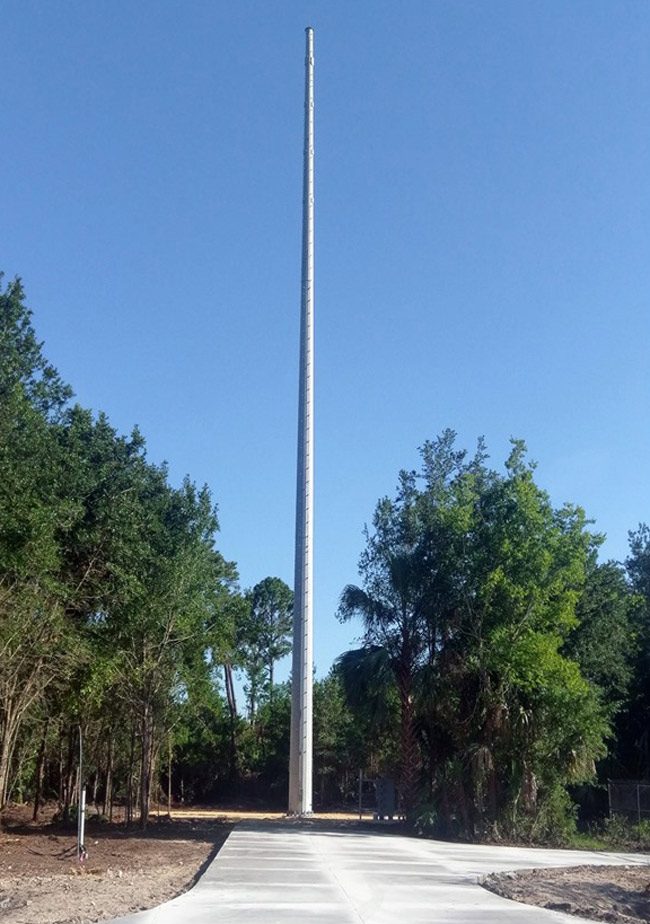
{"x": 501, "y": 662}
{"x": 471, "y": 583}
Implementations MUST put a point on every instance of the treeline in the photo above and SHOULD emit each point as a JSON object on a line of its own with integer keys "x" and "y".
{"x": 516, "y": 662}
{"x": 502, "y": 666}
{"x": 115, "y": 606}
{"x": 123, "y": 627}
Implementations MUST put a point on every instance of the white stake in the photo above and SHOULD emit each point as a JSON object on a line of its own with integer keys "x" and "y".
{"x": 81, "y": 849}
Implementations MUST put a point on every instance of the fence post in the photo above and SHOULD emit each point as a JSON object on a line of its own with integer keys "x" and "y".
{"x": 638, "y": 802}
{"x": 81, "y": 849}
{"x": 360, "y": 794}
{"x": 81, "y": 804}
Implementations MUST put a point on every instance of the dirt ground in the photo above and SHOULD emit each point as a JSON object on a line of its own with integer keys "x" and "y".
{"x": 41, "y": 881}
{"x": 618, "y": 894}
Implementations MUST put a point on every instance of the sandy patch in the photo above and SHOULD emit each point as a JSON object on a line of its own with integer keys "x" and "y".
{"x": 619, "y": 894}
{"x": 126, "y": 871}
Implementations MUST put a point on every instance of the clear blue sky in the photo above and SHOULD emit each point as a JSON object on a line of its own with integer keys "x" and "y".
{"x": 483, "y": 244}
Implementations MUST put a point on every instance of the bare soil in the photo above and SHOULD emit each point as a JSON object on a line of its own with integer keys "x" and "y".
{"x": 41, "y": 881}
{"x": 619, "y": 894}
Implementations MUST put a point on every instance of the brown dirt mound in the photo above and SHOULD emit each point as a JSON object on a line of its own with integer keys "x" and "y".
{"x": 41, "y": 881}
{"x": 619, "y": 894}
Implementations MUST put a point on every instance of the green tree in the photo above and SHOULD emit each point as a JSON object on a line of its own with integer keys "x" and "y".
{"x": 343, "y": 743}
{"x": 22, "y": 363}
{"x": 271, "y": 609}
{"x": 36, "y": 647}
{"x": 115, "y": 606}
{"x": 368, "y": 685}
{"x": 170, "y": 607}
{"x": 393, "y": 613}
{"x": 471, "y": 578}
{"x": 633, "y": 738}
{"x": 264, "y": 637}
{"x": 604, "y": 640}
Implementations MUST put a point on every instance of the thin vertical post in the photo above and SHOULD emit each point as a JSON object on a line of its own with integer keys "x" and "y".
{"x": 300, "y": 759}
{"x": 81, "y": 850}
{"x": 360, "y": 795}
{"x": 81, "y": 805}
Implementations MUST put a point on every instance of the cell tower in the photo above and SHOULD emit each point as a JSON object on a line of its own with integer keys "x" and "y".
{"x": 300, "y": 760}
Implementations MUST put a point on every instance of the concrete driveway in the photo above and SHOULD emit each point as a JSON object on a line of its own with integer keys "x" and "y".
{"x": 268, "y": 873}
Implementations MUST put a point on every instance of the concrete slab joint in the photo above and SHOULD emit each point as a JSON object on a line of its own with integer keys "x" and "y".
{"x": 270, "y": 873}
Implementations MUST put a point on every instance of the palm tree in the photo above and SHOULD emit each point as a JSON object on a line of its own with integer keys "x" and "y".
{"x": 393, "y": 615}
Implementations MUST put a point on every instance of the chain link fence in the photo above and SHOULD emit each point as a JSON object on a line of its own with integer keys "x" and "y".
{"x": 630, "y": 798}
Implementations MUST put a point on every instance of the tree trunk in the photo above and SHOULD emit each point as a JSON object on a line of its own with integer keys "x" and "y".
{"x": 169, "y": 778}
{"x": 9, "y": 732}
{"x": 410, "y": 763}
{"x": 232, "y": 709}
{"x": 5, "y": 763}
{"x": 60, "y": 768}
{"x": 39, "y": 771}
{"x": 144, "y": 767}
{"x": 69, "y": 775}
{"x": 96, "y": 784}
{"x": 129, "y": 791}
{"x": 230, "y": 690}
{"x": 153, "y": 787}
{"x": 251, "y": 704}
{"x": 108, "y": 794}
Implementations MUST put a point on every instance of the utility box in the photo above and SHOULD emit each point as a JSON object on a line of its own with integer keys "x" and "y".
{"x": 386, "y": 801}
